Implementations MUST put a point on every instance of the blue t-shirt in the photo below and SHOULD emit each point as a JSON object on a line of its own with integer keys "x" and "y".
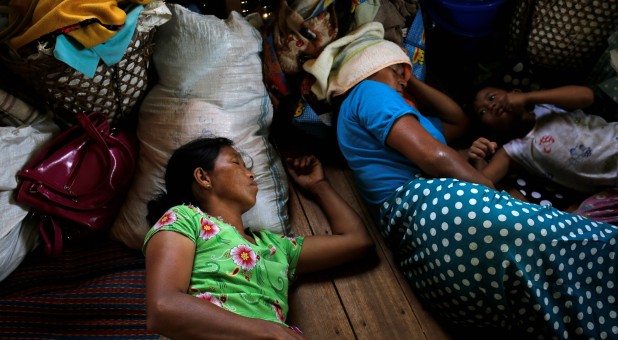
{"x": 365, "y": 120}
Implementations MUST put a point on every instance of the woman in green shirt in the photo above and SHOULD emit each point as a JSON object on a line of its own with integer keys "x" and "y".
{"x": 206, "y": 275}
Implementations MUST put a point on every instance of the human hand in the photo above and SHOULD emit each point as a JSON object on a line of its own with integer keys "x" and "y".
{"x": 272, "y": 330}
{"x": 481, "y": 148}
{"x": 515, "y": 100}
{"x": 306, "y": 171}
{"x": 288, "y": 333}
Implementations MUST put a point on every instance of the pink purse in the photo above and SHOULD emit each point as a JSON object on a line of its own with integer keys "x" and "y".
{"x": 77, "y": 183}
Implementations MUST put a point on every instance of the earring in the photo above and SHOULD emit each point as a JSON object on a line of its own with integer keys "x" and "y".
{"x": 208, "y": 186}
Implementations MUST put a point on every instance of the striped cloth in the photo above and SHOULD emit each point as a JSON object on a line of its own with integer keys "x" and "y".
{"x": 16, "y": 112}
{"x": 92, "y": 291}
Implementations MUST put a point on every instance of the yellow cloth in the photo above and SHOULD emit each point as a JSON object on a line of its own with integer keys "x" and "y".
{"x": 51, "y": 15}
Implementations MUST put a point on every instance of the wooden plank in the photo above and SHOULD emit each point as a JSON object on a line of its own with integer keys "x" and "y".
{"x": 317, "y": 310}
{"x": 375, "y": 301}
{"x": 313, "y": 294}
{"x": 378, "y": 300}
{"x": 432, "y": 329}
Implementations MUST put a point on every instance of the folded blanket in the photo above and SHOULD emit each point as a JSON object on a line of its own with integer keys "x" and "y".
{"x": 348, "y": 60}
{"x": 52, "y": 15}
{"x": 95, "y": 290}
{"x": 16, "y": 112}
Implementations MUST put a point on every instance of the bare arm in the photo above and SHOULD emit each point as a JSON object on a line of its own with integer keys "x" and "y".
{"x": 498, "y": 166}
{"x": 436, "y": 159}
{"x": 174, "y": 313}
{"x": 437, "y": 104}
{"x": 350, "y": 239}
{"x": 567, "y": 97}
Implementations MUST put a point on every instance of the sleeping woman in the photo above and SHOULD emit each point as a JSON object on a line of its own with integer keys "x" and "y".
{"x": 477, "y": 257}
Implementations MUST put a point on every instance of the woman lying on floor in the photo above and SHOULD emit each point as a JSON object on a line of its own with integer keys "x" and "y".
{"x": 206, "y": 275}
{"x": 477, "y": 257}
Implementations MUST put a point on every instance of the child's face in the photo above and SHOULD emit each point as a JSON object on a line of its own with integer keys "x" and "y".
{"x": 492, "y": 108}
{"x": 394, "y": 76}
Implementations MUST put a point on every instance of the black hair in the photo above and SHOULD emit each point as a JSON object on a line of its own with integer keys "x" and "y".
{"x": 199, "y": 153}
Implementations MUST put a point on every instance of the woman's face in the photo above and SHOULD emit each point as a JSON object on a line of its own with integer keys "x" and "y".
{"x": 232, "y": 181}
{"x": 393, "y": 76}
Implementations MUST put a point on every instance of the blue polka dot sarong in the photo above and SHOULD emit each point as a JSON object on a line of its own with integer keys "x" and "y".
{"x": 481, "y": 258}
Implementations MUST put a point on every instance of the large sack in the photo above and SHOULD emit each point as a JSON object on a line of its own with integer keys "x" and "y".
{"x": 210, "y": 83}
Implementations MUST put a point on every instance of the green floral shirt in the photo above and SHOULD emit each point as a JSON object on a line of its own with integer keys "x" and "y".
{"x": 245, "y": 278}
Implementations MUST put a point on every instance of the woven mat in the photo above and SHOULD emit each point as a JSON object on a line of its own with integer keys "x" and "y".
{"x": 92, "y": 291}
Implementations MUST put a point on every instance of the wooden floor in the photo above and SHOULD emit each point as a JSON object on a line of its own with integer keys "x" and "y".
{"x": 365, "y": 300}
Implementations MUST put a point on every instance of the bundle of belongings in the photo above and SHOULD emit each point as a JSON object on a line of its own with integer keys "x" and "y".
{"x": 83, "y": 55}
{"x": 302, "y": 29}
{"x": 87, "y": 43}
{"x": 81, "y": 33}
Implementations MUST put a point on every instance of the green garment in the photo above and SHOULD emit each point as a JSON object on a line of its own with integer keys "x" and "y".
{"x": 244, "y": 278}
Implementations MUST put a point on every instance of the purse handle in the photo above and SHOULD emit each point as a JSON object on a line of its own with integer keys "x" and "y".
{"x": 94, "y": 133}
{"x": 90, "y": 127}
{"x": 52, "y": 239}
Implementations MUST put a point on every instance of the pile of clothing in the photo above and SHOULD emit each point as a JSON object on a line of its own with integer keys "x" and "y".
{"x": 81, "y": 35}
{"x": 301, "y": 29}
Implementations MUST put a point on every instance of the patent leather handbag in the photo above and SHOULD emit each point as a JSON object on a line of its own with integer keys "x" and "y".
{"x": 77, "y": 183}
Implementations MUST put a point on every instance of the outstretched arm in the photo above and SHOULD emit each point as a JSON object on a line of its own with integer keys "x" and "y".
{"x": 568, "y": 97}
{"x": 349, "y": 240}
{"x": 433, "y": 157}
{"x": 174, "y": 313}
{"x": 437, "y": 104}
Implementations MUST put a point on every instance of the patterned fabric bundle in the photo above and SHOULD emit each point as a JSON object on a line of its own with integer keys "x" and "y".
{"x": 94, "y": 291}
{"x": 347, "y": 61}
{"x": 89, "y": 22}
{"x": 15, "y": 112}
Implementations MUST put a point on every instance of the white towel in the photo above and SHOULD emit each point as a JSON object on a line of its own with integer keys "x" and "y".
{"x": 348, "y": 60}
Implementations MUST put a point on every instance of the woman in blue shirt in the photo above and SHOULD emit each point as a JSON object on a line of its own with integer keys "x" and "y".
{"x": 477, "y": 257}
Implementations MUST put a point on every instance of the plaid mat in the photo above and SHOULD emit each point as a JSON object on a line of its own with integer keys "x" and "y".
{"x": 92, "y": 291}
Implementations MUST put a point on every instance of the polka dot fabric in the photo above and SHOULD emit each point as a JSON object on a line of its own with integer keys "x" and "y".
{"x": 540, "y": 191}
{"x": 480, "y": 258}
